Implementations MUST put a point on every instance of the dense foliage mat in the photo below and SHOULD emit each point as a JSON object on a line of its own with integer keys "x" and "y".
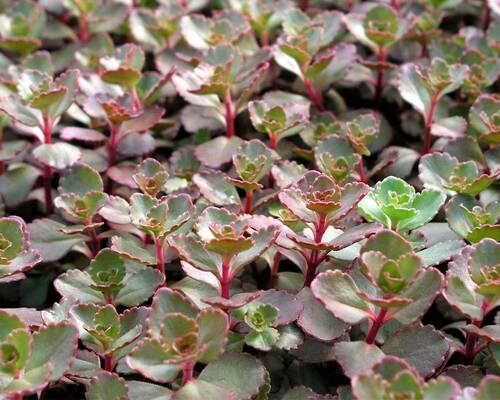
{"x": 249, "y": 199}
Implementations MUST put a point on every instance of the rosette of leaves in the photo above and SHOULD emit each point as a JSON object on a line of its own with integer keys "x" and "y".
{"x": 378, "y": 27}
{"x": 278, "y": 121}
{"x": 124, "y": 68}
{"x": 444, "y": 172}
{"x": 179, "y": 336}
{"x": 151, "y": 177}
{"x": 266, "y": 323}
{"x": 16, "y": 254}
{"x": 319, "y": 205}
{"x": 21, "y": 25}
{"x": 320, "y": 127}
{"x": 225, "y": 27}
{"x": 223, "y": 82}
{"x": 264, "y": 16}
{"x": 390, "y": 283}
{"x": 161, "y": 218}
{"x": 110, "y": 279}
{"x": 30, "y": 361}
{"x": 252, "y": 161}
{"x": 37, "y": 104}
{"x": 423, "y": 88}
{"x": 424, "y": 28}
{"x": 95, "y": 16}
{"x": 397, "y": 205}
{"x": 307, "y": 49}
{"x": 336, "y": 158}
{"x": 472, "y": 220}
{"x": 393, "y": 378}
{"x": 484, "y": 119}
{"x": 128, "y": 124}
{"x": 81, "y": 196}
{"x": 224, "y": 245}
{"x": 108, "y": 334}
{"x": 157, "y": 29}
{"x": 473, "y": 288}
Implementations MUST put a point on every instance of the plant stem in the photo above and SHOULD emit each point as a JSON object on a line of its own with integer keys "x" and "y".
{"x": 225, "y": 279}
{"x": 314, "y": 94}
{"x": 187, "y": 373}
{"x": 428, "y": 124}
{"x": 108, "y": 363}
{"x": 377, "y": 323}
{"x": 229, "y": 115}
{"x": 315, "y": 258}
{"x": 94, "y": 240}
{"x": 361, "y": 171}
{"x": 486, "y": 15}
{"x": 274, "y": 269}
{"x": 112, "y": 144}
{"x": 248, "y": 202}
{"x": 160, "y": 257}
{"x": 83, "y": 26}
{"x": 273, "y": 141}
{"x": 16, "y": 396}
{"x": 47, "y": 170}
{"x": 304, "y": 5}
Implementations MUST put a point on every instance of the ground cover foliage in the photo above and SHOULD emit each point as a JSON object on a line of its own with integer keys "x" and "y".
{"x": 249, "y": 199}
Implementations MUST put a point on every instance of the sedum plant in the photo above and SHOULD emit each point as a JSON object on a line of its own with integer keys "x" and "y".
{"x": 224, "y": 246}
{"x": 179, "y": 337}
{"x": 384, "y": 286}
{"x": 249, "y": 200}
{"x": 16, "y": 254}
{"x": 395, "y": 203}
{"x": 32, "y": 360}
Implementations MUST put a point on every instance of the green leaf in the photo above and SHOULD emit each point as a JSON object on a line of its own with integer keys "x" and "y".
{"x": 17, "y": 182}
{"x": 356, "y": 357}
{"x": 414, "y": 89}
{"x": 57, "y": 155}
{"x": 54, "y": 344}
{"x": 81, "y": 180}
{"x": 216, "y": 189}
{"x": 423, "y": 347}
{"x": 201, "y": 390}
{"x": 214, "y": 327}
{"x": 149, "y": 357}
{"x": 338, "y": 293}
{"x": 238, "y": 372}
{"x": 47, "y": 238}
{"x": 316, "y": 321}
{"x": 106, "y": 386}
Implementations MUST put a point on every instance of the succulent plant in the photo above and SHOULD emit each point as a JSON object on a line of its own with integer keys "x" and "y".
{"x": 249, "y": 199}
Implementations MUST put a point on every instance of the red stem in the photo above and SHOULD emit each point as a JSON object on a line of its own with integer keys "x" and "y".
{"x": 248, "y": 202}
{"x": 83, "y": 33}
{"x": 160, "y": 257}
{"x": 112, "y": 144}
{"x": 47, "y": 171}
{"x": 314, "y": 94}
{"x": 108, "y": 363}
{"x": 187, "y": 373}
{"x": 486, "y": 15}
{"x": 16, "y": 396}
{"x": 229, "y": 115}
{"x": 315, "y": 258}
{"x": 225, "y": 279}
{"x": 273, "y": 141}
{"x": 94, "y": 240}
{"x": 428, "y": 124}
{"x": 304, "y": 5}
{"x": 377, "y": 323}
{"x": 361, "y": 171}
